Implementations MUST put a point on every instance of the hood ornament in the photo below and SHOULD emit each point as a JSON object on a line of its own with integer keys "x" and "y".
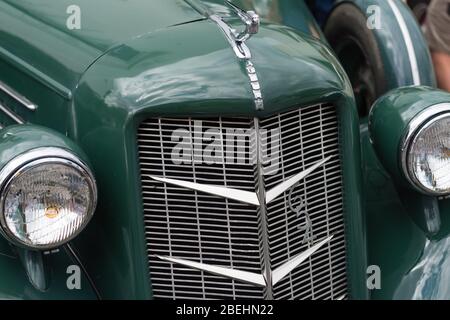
{"x": 249, "y": 18}
{"x": 237, "y": 42}
{"x": 235, "y": 38}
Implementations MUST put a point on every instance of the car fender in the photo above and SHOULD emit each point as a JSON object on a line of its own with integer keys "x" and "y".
{"x": 403, "y": 48}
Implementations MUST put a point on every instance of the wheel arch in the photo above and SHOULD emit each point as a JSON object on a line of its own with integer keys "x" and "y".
{"x": 403, "y": 48}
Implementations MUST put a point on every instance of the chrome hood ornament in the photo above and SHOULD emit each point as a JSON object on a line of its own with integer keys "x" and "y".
{"x": 237, "y": 41}
{"x": 249, "y": 18}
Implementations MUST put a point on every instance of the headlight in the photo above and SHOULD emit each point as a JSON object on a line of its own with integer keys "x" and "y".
{"x": 47, "y": 197}
{"x": 426, "y": 151}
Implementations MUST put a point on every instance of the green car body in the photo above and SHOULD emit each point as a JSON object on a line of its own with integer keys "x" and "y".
{"x": 179, "y": 64}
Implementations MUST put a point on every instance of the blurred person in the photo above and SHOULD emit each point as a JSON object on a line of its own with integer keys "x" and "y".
{"x": 437, "y": 33}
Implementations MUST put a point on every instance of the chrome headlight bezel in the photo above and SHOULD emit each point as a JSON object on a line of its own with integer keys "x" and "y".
{"x": 415, "y": 128}
{"x": 32, "y": 159}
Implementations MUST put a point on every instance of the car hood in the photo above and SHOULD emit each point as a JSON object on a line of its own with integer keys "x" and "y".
{"x": 192, "y": 69}
{"x": 37, "y": 35}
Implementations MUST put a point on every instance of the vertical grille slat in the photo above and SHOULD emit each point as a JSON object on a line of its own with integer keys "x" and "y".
{"x": 204, "y": 228}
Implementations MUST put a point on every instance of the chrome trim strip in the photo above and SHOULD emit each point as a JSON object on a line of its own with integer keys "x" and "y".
{"x": 423, "y": 118}
{"x": 408, "y": 42}
{"x": 262, "y": 213}
{"x": 286, "y": 185}
{"x": 228, "y": 193}
{"x": 18, "y": 97}
{"x": 282, "y": 271}
{"x": 36, "y": 74}
{"x": 11, "y": 114}
{"x": 248, "y": 277}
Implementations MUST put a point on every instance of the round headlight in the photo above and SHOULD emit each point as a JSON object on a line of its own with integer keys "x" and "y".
{"x": 426, "y": 153}
{"x": 48, "y": 195}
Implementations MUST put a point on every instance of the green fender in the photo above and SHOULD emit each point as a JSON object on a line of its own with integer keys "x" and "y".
{"x": 404, "y": 51}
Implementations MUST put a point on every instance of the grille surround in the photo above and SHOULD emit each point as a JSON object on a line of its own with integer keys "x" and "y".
{"x": 204, "y": 228}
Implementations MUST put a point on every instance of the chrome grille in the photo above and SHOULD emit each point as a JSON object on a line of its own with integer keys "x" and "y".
{"x": 204, "y": 228}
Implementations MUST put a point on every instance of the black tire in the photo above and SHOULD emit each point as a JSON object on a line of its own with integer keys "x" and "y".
{"x": 357, "y": 49}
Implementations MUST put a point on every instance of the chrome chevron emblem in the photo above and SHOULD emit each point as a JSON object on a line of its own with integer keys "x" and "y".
{"x": 282, "y": 271}
{"x": 286, "y": 185}
{"x": 244, "y": 276}
{"x": 250, "y": 277}
{"x": 241, "y": 195}
{"x": 228, "y": 193}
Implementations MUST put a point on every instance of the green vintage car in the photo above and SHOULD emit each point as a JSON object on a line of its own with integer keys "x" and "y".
{"x": 170, "y": 149}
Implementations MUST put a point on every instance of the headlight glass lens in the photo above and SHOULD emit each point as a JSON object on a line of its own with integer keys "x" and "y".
{"x": 429, "y": 156}
{"x": 47, "y": 202}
